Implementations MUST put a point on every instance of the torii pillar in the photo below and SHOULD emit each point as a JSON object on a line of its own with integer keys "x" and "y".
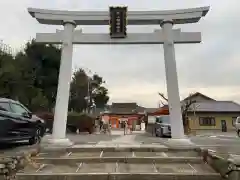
{"x": 64, "y": 80}
{"x": 174, "y": 103}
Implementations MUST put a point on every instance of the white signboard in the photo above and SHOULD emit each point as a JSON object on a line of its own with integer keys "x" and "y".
{"x": 123, "y": 119}
{"x": 105, "y": 119}
{"x": 151, "y": 119}
{"x": 142, "y": 126}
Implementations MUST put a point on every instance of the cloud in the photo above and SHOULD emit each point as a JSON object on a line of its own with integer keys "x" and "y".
{"x": 137, "y": 73}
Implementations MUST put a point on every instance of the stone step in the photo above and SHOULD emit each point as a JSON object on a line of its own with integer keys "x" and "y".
{"x": 127, "y": 153}
{"x": 117, "y": 148}
{"x": 70, "y": 160}
{"x": 122, "y": 156}
{"x": 118, "y": 170}
{"x": 117, "y": 162}
{"x": 106, "y": 147}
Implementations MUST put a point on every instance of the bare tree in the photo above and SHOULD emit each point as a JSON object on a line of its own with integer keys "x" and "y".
{"x": 186, "y": 106}
{"x": 164, "y": 101}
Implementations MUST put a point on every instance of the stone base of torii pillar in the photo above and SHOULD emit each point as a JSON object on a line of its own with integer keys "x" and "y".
{"x": 178, "y": 143}
{"x": 65, "y": 142}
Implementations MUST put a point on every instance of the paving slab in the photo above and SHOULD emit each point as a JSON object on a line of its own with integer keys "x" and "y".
{"x": 149, "y": 154}
{"x": 174, "y": 168}
{"x": 97, "y": 168}
{"x": 167, "y": 154}
{"x": 182, "y": 153}
{"x": 104, "y": 145}
{"x": 52, "y": 149}
{"x": 135, "y": 168}
{"x": 85, "y": 154}
{"x": 202, "y": 168}
{"x": 83, "y": 146}
{"x": 153, "y": 146}
{"x": 53, "y": 154}
{"x": 53, "y": 168}
{"x": 133, "y": 145}
{"x": 117, "y": 154}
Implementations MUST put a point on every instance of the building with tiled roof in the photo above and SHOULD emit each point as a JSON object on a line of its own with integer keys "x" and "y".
{"x": 210, "y": 114}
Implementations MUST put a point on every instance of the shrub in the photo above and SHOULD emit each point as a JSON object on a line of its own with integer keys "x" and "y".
{"x": 81, "y": 121}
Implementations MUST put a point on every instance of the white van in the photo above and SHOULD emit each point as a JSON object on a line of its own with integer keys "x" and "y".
{"x": 237, "y": 124}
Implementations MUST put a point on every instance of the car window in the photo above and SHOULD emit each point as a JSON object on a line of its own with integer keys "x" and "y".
{"x": 238, "y": 120}
{"x": 4, "y": 106}
{"x": 18, "y": 109}
{"x": 165, "y": 119}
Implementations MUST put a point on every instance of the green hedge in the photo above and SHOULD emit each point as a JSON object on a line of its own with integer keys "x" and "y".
{"x": 80, "y": 121}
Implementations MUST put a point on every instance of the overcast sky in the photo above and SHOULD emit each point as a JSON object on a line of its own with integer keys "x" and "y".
{"x": 136, "y": 73}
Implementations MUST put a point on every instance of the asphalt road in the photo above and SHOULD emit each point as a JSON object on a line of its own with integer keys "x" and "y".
{"x": 221, "y": 144}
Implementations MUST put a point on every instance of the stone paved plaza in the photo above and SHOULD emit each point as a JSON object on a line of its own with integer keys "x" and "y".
{"x": 223, "y": 144}
{"x": 226, "y": 145}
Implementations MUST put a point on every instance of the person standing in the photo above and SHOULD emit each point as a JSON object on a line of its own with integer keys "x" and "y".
{"x": 105, "y": 127}
{"x": 125, "y": 127}
{"x": 129, "y": 123}
{"x": 109, "y": 128}
{"x": 101, "y": 125}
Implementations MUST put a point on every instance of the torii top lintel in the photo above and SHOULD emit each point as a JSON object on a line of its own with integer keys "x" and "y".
{"x": 180, "y": 16}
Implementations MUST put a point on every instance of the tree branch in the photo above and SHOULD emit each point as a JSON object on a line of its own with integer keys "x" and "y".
{"x": 162, "y": 103}
{"x": 163, "y": 96}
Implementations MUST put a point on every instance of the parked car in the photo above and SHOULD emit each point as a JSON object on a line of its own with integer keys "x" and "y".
{"x": 237, "y": 125}
{"x": 17, "y": 123}
{"x": 163, "y": 126}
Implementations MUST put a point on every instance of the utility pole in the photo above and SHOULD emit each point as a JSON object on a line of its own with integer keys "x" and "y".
{"x": 89, "y": 95}
{"x": 89, "y": 91}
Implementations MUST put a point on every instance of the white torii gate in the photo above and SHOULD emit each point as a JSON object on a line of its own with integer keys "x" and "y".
{"x": 167, "y": 36}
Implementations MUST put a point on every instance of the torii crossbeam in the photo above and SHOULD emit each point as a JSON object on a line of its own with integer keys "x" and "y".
{"x": 156, "y": 37}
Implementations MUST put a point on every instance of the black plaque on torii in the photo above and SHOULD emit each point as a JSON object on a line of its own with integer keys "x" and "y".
{"x": 118, "y": 21}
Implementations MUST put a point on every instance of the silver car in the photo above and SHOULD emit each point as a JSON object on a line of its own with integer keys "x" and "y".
{"x": 237, "y": 125}
{"x": 163, "y": 126}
